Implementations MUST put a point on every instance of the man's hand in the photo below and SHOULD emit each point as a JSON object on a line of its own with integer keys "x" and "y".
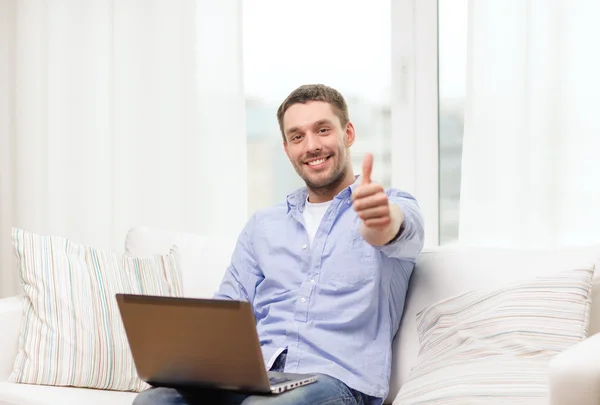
{"x": 381, "y": 219}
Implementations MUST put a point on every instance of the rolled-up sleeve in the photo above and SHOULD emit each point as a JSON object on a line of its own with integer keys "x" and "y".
{"x": 243, "y": 273}
{"x": 409, "y": 243}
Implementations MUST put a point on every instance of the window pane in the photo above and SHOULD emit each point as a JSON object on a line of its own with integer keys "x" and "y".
{"x": 344, "y": 44}
{"x": 452, "y": 90}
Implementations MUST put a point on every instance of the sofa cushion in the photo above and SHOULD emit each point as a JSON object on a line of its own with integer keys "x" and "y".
{"x": 203, "y": 260}
{"x": 71, "y": 331}
{"x": 495, "y": 344}
{"x": 24, "y": 394}
{"x": 11, "y": 312}
{"x": 447, "y": 271}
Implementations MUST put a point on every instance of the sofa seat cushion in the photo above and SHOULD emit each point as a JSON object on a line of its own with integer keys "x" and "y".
{"x": 25, "y": 394}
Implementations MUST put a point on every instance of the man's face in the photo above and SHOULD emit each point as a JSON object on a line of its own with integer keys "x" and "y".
{"x": 316, "y": 144}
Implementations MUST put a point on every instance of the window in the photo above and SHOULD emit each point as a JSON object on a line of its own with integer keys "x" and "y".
{"x": 341, "y": 43}
{"x": 452, "y": 45}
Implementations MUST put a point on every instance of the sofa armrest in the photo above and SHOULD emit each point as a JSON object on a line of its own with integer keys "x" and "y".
{"x": 11, "y": 311}
{"x": 575, "y": 374}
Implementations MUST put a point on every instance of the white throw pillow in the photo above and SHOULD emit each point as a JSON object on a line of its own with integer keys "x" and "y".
{"x": 494, "y": 346}
{"x": 72, "y": 333}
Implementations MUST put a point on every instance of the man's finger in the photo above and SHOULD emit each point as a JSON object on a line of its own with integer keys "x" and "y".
{"x": 378, "y": 222}
{"x": 376, "y": 212}
{"x": 367, "y": 168}
{"x": 374, "y": 200}
{"x": 365, "y": 190}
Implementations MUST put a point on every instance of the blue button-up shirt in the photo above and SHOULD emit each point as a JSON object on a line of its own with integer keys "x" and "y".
{"x": 335, "y": 305}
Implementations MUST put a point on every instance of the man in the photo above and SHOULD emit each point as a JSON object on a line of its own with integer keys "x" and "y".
{"x": 326, "y": 271}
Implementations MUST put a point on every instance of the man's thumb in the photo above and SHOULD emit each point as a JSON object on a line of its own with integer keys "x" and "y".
{"x": 367, "y": 167}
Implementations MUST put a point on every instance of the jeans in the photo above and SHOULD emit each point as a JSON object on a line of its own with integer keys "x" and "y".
{"x": 326, "y": 391}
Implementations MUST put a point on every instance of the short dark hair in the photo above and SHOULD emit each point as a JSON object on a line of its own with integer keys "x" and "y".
{"x": 314, "y": 92}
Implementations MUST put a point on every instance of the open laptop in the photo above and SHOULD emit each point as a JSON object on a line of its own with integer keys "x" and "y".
{"x": 199, "y": 343}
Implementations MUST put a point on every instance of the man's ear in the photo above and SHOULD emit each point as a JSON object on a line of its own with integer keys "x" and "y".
{"x": 350, "y": 135}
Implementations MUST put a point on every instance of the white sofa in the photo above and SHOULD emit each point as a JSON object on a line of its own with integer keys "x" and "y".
{"x": 574, "y": 375}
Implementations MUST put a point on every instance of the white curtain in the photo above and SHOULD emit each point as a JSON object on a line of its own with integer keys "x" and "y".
{"x": 121, "y": 113}
{"x": 531, "y": 151}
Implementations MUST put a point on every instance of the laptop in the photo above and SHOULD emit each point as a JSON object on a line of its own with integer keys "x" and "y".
{"x": 199, "y": 343}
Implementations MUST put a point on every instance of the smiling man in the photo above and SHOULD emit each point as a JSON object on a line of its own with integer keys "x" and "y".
{"x": 326, "y": 271}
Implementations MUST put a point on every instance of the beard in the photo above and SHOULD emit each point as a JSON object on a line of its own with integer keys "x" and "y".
{"x": 318, "y": 183}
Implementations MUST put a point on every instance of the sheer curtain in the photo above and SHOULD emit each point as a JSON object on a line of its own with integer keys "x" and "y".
{"x": 531, "y": 152}
{"x": 115, "y": 114}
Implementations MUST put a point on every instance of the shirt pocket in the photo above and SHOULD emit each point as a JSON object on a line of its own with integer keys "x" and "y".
{"x": 352, "y": 261}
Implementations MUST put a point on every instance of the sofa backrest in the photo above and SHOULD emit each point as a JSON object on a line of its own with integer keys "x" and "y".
{"x": 203, "y": 260}
{"x": 11, "y": 312}
{"x": 447, "y": 271}
{"x": 440, "y": 273}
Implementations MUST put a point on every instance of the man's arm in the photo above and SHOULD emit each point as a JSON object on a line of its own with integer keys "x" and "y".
{"x": 243, "y": 274}
{"x": 392, "y": 222}
{"x": 406, "y": 228}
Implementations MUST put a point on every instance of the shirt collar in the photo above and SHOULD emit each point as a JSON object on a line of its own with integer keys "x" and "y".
{"x": 297, "y": 199}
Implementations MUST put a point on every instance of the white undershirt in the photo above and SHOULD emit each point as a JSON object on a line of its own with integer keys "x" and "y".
{"x": 313, "y": 214}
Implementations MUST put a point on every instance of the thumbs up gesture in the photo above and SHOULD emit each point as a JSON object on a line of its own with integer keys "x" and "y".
{"x": 381, "y": 220}
{"x": 370, "y": 200}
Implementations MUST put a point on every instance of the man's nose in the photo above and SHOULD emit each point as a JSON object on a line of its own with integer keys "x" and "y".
{"x": 313, "y": 143}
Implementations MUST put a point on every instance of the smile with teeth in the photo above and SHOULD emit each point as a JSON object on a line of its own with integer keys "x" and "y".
{"x": 317, "y": 162}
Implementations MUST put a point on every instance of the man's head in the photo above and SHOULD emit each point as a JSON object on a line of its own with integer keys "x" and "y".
{"x": 317, "y": 135}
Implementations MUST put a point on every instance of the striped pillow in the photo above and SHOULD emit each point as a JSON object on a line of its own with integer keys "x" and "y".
{"x": 72, "y": 334}
{"x": 493, "y": 347}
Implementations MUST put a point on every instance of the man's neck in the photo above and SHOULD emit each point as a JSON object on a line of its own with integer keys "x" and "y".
{"x": 323, "y": 195}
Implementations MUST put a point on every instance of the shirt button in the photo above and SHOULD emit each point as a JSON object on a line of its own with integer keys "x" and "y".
{"x": 303, "y": 300}
{"x": 312, "y": 281}
{"x": 304, "y": 246}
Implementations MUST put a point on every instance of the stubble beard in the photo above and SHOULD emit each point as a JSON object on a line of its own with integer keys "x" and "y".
{"x": 330, "y": 183}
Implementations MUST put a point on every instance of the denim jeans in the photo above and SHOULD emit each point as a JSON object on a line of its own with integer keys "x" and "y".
{"x": 326, "y": 391}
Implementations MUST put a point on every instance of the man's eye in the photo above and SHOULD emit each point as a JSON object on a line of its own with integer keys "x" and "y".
{"x": 324, "y": 130}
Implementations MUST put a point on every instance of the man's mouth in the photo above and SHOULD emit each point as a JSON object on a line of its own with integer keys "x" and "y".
{"x": 317, "y": 163}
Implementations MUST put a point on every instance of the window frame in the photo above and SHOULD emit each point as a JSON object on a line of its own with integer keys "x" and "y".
{"x": 415, "y": 107}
